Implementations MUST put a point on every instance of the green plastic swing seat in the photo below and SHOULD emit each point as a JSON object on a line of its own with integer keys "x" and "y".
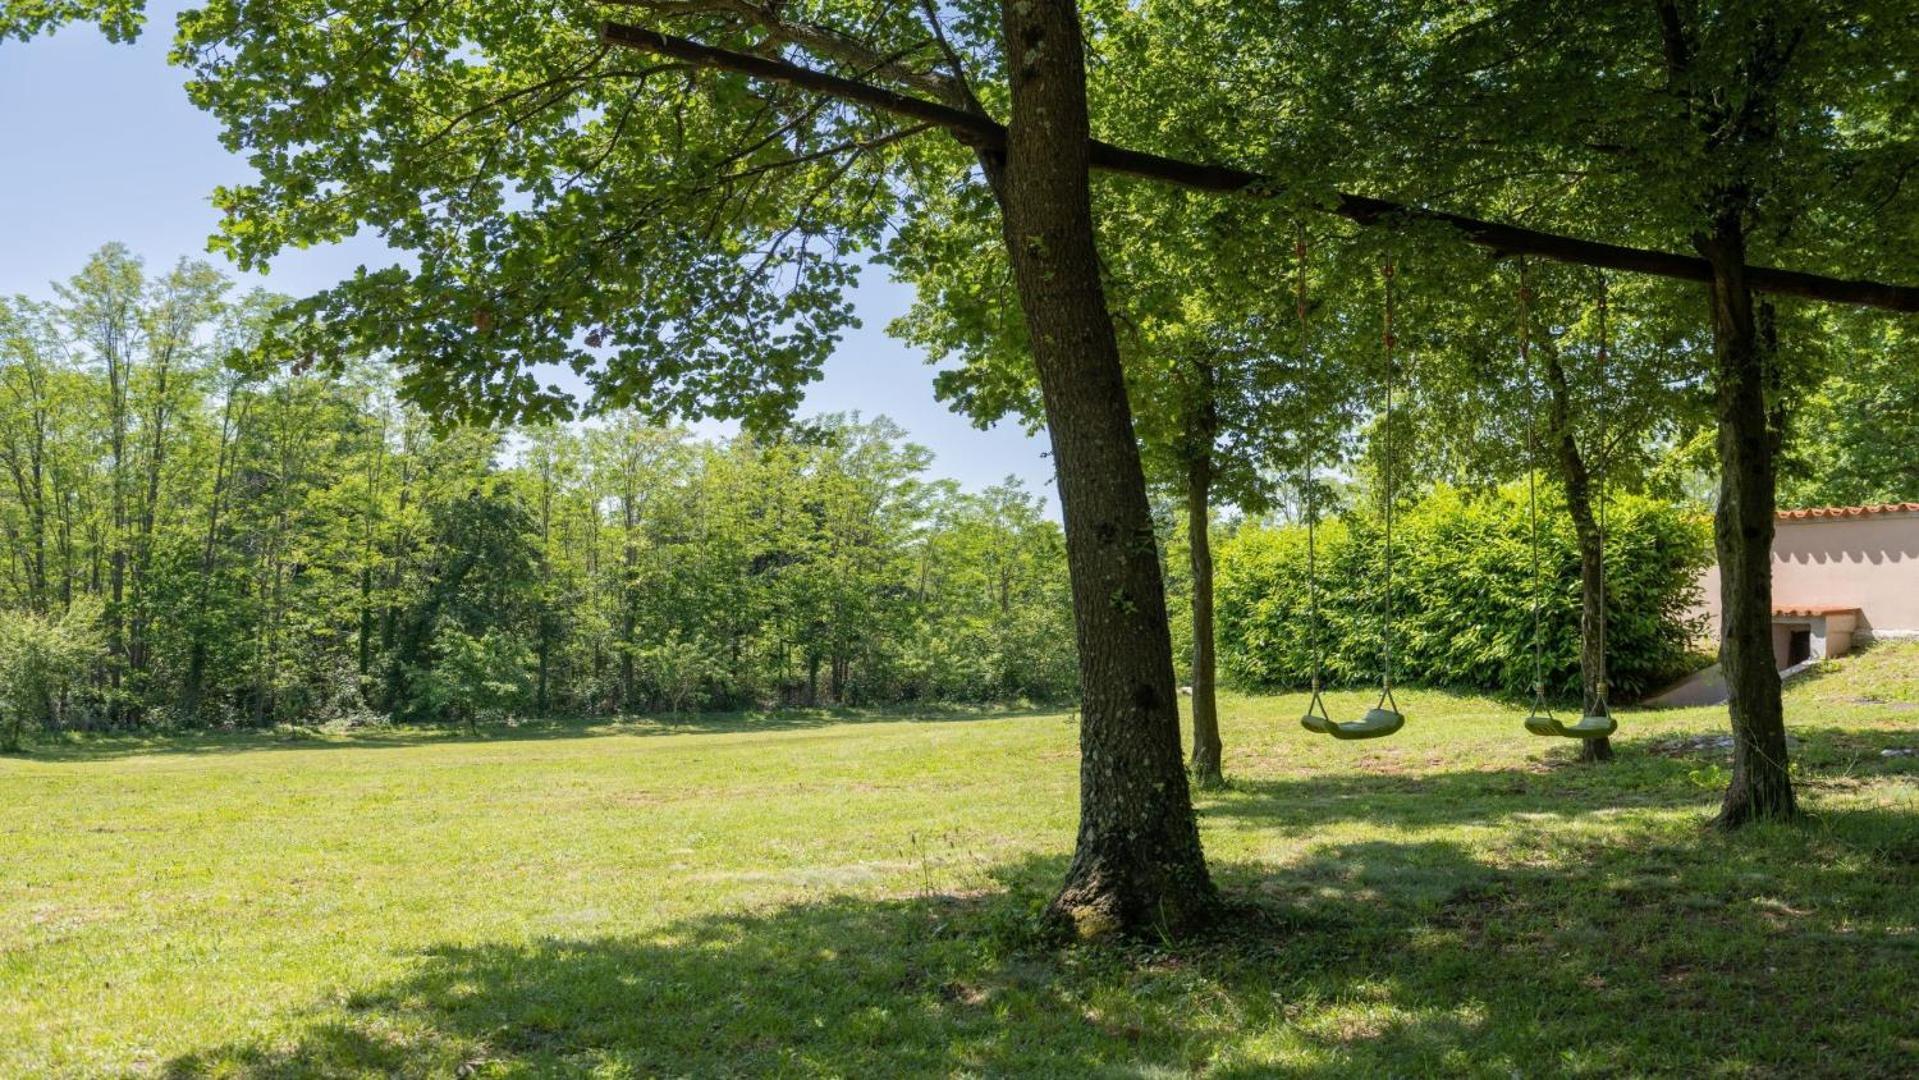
{"x": 1377, "y": 723}
{"x": 1594, "y": 726}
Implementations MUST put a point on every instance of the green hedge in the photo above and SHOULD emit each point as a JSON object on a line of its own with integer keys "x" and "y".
{"x": 1462, "y": 596}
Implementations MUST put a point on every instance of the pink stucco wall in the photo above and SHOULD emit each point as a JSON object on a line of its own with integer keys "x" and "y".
{"x": 1869, "y": 562}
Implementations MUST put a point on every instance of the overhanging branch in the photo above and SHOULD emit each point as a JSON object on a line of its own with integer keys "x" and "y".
{"x": 1501, "y": 238}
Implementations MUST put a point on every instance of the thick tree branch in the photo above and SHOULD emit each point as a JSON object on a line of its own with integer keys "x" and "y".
{"x": 1503, "y": 239}
{"x": 1672, "y": 36}
{"x": 822, "y": 40}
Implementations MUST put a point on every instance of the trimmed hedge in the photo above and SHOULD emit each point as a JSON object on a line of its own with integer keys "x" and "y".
{"x": 1462, "y": 596}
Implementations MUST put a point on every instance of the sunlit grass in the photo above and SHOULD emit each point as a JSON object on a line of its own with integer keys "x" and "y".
{"x": 850, "y": 895}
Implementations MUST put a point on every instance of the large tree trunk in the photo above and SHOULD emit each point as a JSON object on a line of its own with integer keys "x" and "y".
{"x": 1137, "y": 866}
{"x": 1742, "y": 533}
{"x": 1207, "y": 748}
{"x": 1577, "y": 480}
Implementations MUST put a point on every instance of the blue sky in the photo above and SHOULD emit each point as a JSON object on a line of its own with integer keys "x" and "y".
{"x": 102, "y": 145}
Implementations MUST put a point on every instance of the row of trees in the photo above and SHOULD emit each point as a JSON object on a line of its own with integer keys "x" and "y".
{"x": 258, "y": 545}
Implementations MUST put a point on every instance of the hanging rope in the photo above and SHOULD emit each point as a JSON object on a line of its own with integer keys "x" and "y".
{"x": 1540, "y": 705}
{"x": 1380, "y": 720}
{"x": 1596, "y": 723}
{"x": 1601, "y": 689}
{"x": 1386, "y": 453}
{"x": 1316, "y": 707}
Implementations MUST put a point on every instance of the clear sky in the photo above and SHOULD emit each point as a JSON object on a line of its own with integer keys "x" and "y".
{"x": 99, "y": 143}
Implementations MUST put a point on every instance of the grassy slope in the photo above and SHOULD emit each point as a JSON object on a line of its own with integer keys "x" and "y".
{"x": 822, "y": 897}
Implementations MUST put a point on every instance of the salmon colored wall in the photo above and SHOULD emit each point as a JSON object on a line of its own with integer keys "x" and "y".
{"x": 1871, "y": 563}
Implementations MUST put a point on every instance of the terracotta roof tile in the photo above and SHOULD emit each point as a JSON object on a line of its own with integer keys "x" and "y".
{"x": 1804, "y": 611}
{"x": 1816, "y": 512}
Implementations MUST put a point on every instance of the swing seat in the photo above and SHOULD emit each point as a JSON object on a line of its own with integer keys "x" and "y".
{"x": 1315, "y": 719}
{"x": 1593, "y": 726}
{"x": 1377, "y": 723}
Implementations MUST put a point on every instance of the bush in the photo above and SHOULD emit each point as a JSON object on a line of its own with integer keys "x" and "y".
{"x": 1462, "y": 596}
{"x": 678, "y": 668}
{"x": 1025, "y": 653}
{"x": 41, "y": 656}
{"x": 473, "y": 679}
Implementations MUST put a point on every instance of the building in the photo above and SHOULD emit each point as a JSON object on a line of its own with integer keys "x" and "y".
{"x": 1840, "y": 575}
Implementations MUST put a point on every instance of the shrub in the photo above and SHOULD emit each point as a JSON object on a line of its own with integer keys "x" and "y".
{"x": 41, "y": 656}
{"x": 473, "y": 678}
{"x": 1462, "y": 596}
{"x": 678, "y": 667}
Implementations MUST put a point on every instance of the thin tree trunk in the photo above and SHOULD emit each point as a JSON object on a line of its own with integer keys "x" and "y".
{"x": 65, "y": 547}
{"x": 1742, "y": 532}
{"x": 545, "y": 623}
{"x": 1137, "y": 865}
{"x": 396, "y": 679}
{"x": 27, "y": 465}
{"x": 117, "y": 380}
{"x": 195, "y": 684}
{"x": 1207, "y": 748}
{"x": 1577, "y": 479}
{"x": 629, "y": 593}
{"x": 369, "y": 542}
{"x": 142, "y": 555}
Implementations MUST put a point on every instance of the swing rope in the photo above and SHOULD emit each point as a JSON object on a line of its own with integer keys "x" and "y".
{"x": 1540, "y": 706}
{"x": 1316, "y": 707}
{"x": 1598, "y": 723}
{"x": 1602, "y": 689}
{"x": 1380, "y": 720}
{"x": 1388, "y": 341}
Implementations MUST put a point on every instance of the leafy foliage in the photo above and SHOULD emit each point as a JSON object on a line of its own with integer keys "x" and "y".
{"x": 42, "y": 658}
{"x": 1856, "y": 439}
{"x": 471, "y": 679}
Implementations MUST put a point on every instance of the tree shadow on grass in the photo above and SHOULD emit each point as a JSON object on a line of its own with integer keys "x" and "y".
{"x": 1651, "y": 773}
{"x": 1839, "y": 750}
{"x": 1430, "y": 799}
{"x": 78, "y": 747}
{"x": 1630, "y": 954}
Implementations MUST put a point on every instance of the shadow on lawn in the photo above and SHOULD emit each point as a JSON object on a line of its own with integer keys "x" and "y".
{"x": 1637, "y": 780}
{"x": 110, "y": 746}
{"x": 1628, "y": 954}
{"x": 1652, "y": 772}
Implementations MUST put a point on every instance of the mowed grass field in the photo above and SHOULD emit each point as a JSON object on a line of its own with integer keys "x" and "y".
{"x": 854, "y": 895}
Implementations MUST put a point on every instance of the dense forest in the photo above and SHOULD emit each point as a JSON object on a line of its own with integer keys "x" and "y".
{"x": 212, "y": 542}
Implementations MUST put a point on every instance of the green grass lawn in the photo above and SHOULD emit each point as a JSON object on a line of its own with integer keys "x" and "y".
{"x": 821, "y": 895}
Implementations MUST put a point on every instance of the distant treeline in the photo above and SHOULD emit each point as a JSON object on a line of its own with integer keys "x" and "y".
{"x": 191, "y": 543}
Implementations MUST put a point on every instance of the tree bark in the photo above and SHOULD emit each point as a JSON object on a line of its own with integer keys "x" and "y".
{"x": 1207, "y": 748}
{"x": 1577, "y": 479}
{"x": 1742, "y": 533}
{"x": 1137, "y": 865}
